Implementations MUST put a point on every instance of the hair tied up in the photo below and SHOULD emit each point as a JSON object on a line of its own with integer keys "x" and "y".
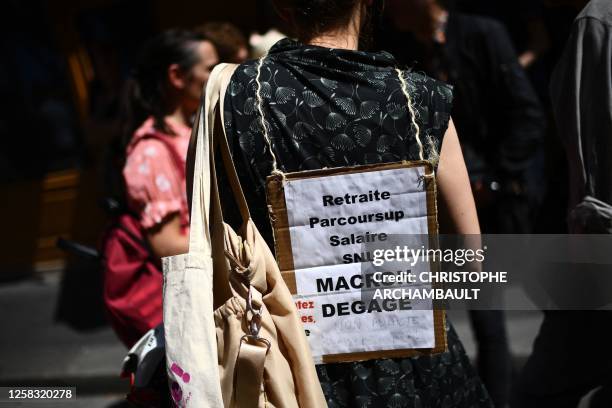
{"x": 315, "y": 17}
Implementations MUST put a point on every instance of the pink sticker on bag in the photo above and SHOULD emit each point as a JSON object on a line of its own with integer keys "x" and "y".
{"x": 175, "y": 389}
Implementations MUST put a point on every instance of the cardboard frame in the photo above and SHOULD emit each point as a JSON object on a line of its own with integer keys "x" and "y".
{"x": 277, "y": 210}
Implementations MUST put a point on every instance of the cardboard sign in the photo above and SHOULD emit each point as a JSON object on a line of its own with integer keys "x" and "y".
{"x": 322, "y": 221}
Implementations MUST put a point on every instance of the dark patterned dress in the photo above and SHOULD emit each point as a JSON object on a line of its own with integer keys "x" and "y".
{"x": 330, "y": 108}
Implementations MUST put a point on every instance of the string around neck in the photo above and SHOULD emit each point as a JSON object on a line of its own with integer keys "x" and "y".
{"x": 266, "y": 134}
{"x": 264, "y": 127}
{"x": 412, "y": 110}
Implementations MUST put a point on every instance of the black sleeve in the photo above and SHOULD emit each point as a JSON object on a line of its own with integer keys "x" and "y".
{"x": 433, "y": 102}
{"x": 440, "y": 108}
{"x": 520, "y": 117}
{"x": 581, "y": 97}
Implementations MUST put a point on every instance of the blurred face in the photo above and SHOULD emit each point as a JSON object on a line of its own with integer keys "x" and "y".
{"x": 193, "y": 81}
{"x": 241, "y": 56}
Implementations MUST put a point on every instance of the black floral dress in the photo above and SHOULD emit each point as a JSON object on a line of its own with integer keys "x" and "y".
{"x": 330, "y": 108}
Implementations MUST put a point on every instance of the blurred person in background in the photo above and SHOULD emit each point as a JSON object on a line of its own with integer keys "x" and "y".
{"x": 230, "y": 43}
{"x": 261, "y": 43}
{"x": 524, "y": 20}
{"x": 500, "y": 124}
{"x": 555, "y": 375}
{"x": 536, "y": 31}
{"x": 152, "y": 219}
{"x": 163, "y": 98}
{"x": 500, "y": 120}
{"x": 326, "y": 104}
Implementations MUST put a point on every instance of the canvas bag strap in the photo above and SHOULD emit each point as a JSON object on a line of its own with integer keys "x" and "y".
{"x": 199, "y": 229}
{"x": 248, "y": 380}
{"x": 250, "y": 373}
{"x": 205, "y": 147}
{"x": 206, "y": 143}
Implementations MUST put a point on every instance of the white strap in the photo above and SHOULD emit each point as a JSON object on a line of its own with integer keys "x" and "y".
{"x": 199, "y": 229}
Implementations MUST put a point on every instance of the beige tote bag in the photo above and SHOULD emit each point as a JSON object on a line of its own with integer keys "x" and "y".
{"x": 189, "y": 328}
{"x": 263, "y": 358}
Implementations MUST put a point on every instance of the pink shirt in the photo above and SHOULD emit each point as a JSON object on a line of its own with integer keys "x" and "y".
{"x": 155, "y": 185}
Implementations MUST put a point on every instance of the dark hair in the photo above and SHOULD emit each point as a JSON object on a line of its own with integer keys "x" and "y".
{"x": 146, "y": 90}
{"x": 313, "y": 17}
{"x": 226, "y": 38}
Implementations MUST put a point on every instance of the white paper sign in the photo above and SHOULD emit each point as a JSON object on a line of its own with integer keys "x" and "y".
{"x": 330, "y": 219}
